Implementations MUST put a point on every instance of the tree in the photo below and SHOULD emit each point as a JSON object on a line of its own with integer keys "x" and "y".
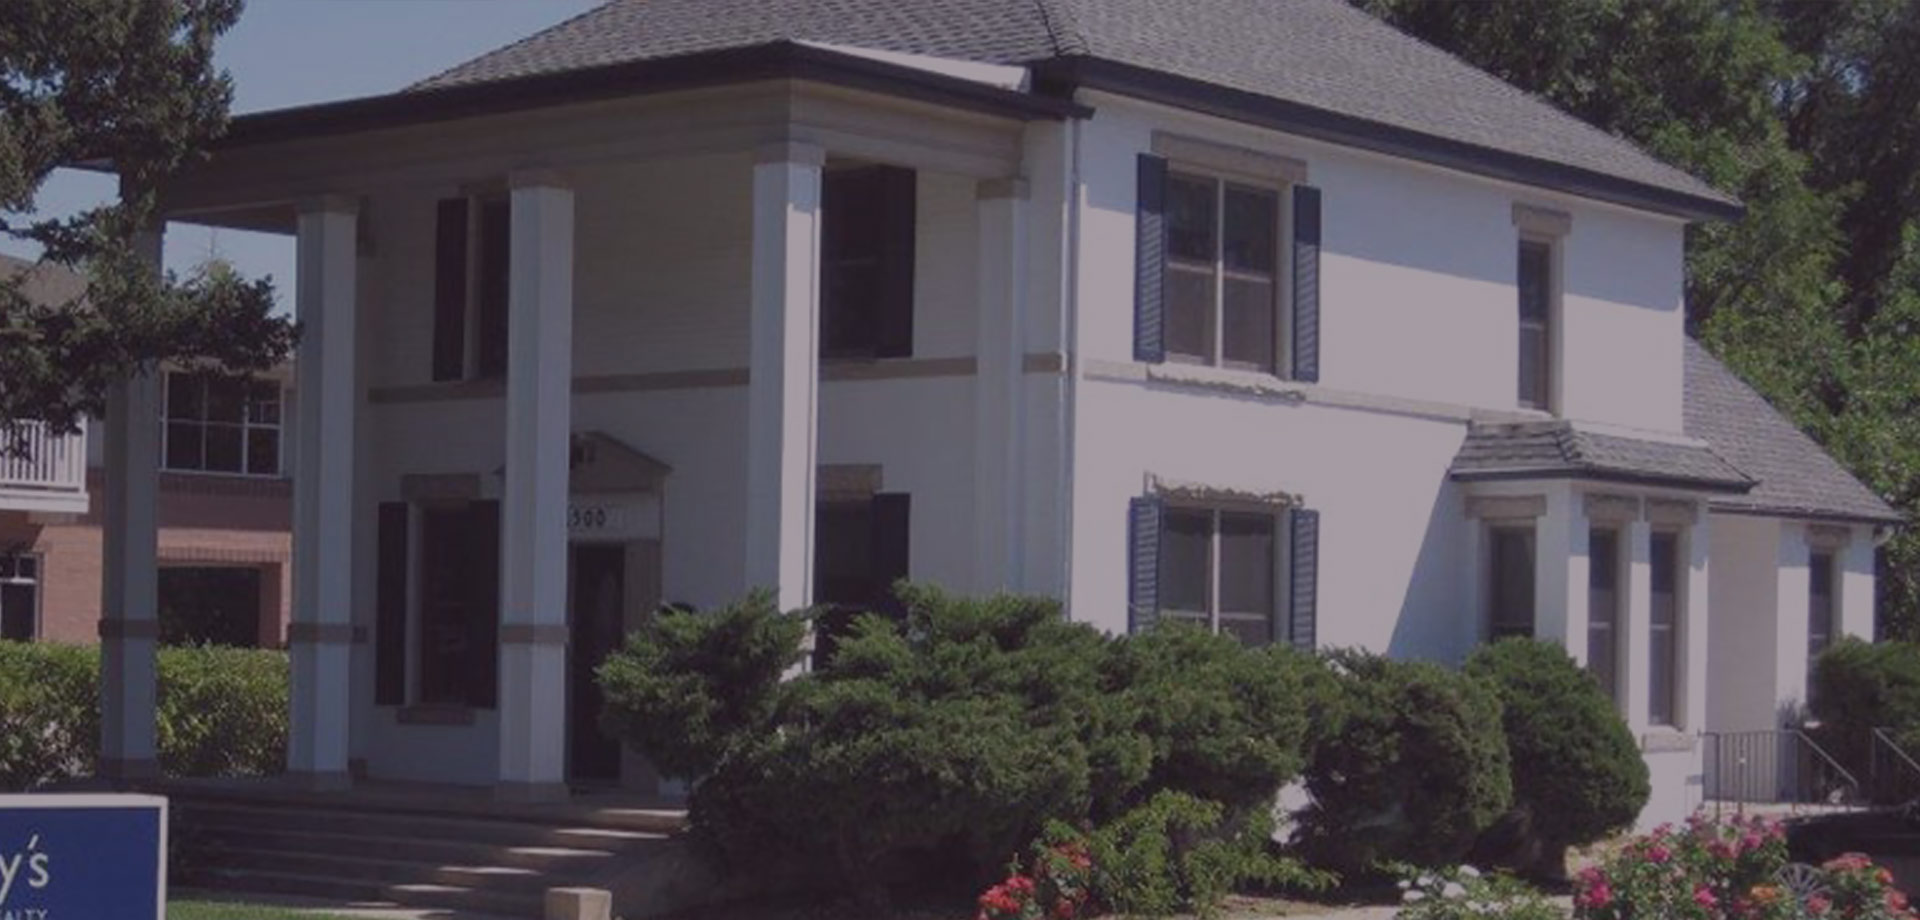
{"x": 128, "y": 84}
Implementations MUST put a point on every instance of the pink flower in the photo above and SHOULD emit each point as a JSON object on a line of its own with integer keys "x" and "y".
{"x": 1659, "y": 854}
{"x": 1595, "y": 897}
{"x": 1703, "y": 896}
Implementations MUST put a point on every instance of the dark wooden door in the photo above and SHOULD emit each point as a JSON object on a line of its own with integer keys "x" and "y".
{"x": 597, "y": 616}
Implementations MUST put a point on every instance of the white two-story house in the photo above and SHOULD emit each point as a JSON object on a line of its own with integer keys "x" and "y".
{"x": 1259, "y": 315}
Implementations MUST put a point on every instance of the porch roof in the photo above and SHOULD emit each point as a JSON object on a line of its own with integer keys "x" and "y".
{"x": 1318, "y": 68}
{"x": 1559, "y": 449}
{"x": 1797, "y": 478}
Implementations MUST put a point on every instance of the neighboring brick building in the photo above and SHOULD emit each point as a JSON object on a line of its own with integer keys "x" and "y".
{"x": 224, "y": 513}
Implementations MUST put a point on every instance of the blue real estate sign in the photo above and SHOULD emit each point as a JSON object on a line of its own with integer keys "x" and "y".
{"x": 83, "y": 857}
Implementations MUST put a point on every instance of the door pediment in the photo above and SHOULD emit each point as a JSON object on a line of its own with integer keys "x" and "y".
{"x": 601, "y": 464}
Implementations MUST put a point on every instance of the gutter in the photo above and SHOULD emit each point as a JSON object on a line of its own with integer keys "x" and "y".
{"x": 1061, "y": 76}
{"x": 1721, "y": 486}
{"x": 770, "y": 61}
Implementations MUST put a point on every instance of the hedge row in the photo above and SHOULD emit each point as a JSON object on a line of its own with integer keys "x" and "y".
{"x": 221, "y": 712}
{"x": 931, "y": 750}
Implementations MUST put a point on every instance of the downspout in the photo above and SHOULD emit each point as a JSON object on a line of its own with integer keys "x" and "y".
{"x": 1070, "y": 352}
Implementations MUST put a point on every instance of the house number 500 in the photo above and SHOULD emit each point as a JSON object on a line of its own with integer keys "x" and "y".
{"x": 587, "y": 518}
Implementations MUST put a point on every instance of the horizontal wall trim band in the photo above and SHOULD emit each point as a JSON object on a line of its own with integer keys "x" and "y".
{"x": 1801, "y": 514}
{"x": 117, "y": 628}
{"x": 533, "y": 634}
{"x": 711, "y": 378}
{"x": 302, "y": 632}
{"x": 1281, "y": 391}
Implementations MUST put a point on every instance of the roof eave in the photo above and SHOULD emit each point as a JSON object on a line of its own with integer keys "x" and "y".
{"x": 1584, "y": 474}
{"x": 1062, "y": 75}
{"x": 772, "y": 60}
{"x": 1888, "y": 519}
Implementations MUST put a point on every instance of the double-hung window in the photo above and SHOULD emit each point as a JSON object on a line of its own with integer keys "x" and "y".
{"x": 220, "y": 424}
{"x": 1603, "y": 608}
{"x": 1220, "y": 570}
{"x": 867, "y": 262}
{"x": 19, "y": 597}
{"x": 1820, "y": 606}
{"x": 472, "y": 249}
{"x": 1663, "y": 627}
{"x": 1536, "y": 324}
{"x": 1222, "y": 272}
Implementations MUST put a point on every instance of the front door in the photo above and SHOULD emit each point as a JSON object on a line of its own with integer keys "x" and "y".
{"x": 596, "y": 615}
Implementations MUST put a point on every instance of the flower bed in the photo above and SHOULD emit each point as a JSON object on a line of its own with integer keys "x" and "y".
{"x": 1737, "y": 870}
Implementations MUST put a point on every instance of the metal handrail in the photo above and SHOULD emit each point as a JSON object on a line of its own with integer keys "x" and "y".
{"x": 1883, "y": 736}
{"x": 1759, "y": 760}
{"x": 1881, "y": 739}
{"x": 1814, "y": 746}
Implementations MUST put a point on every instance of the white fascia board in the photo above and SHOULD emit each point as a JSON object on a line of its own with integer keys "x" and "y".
{"x": 1002, "y": 76}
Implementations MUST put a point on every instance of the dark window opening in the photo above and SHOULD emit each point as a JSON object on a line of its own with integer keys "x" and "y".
{"x": 866, "y": 262}
{"x": 210, "y": 605}
{"x": 1821, "y": 628}
{"x": 19, "y": 598}
{"x": 459, "y": 604}
{"x": 1664, "y": 633}
{"x": 860, "y": 550}
{"x": 218, "y": 424}
{"x": 1511, "y": 578}
{"x": 1603, "y": 609}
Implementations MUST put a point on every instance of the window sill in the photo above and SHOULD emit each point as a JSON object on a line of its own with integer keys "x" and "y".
{"x": 1227, "y": 380}
{"x": 434, "y": 714}
{"x": 1667, "y": 740}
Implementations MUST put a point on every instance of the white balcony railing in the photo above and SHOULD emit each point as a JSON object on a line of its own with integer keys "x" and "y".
{"x": 49, "y": 473}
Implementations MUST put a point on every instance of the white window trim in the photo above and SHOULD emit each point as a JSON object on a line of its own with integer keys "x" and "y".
{"x": 246, "y": 425}
{"x": 1280, "y": 618}
{"x": 1187, "y": 159}
{"x": 1556, "y": 318}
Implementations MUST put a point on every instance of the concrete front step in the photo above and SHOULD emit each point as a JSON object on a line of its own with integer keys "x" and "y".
{"x": 422, "y": 895}
{"x": 213, "y": 815}
{"x": 501, "y": 878}
{"x": 570, "y": 861}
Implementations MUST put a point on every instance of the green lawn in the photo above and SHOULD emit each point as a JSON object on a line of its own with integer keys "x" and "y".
{"x": 226, "y": 910}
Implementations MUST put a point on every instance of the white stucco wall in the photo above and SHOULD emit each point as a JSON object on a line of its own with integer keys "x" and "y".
{"x": 1418, "y": 267}
{"x": 1742, "y": 660}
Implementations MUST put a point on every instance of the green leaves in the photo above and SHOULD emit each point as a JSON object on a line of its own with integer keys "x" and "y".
{"x": 128, "y": 85}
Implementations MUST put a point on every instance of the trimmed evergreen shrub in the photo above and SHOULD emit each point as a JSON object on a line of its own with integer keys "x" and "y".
{"x": 220, "y": 712}
{"x": 934, "y": 749}
{"x": 1181, "y": 854}
{"x": 1859, "y": 686}
{"x": 1577, "y": 773}
{"x": 689, "y": 686}
{"x": 1412, "y": 770}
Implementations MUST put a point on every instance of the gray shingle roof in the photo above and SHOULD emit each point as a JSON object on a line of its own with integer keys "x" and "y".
{"x": 1559, "y": 449}
{"x": 1320, "y": 54}
{"x": 1797, "y": 478}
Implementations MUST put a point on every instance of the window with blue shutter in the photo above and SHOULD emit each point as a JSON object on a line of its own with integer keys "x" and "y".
{"x": 1149, "y": 261}
{"x": 1218, "y": 568}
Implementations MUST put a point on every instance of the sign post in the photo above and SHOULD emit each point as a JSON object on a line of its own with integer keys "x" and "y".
{"x": 83, "y": 857}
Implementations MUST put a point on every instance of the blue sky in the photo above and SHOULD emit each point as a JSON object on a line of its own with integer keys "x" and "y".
{"x": 297, "y": 52}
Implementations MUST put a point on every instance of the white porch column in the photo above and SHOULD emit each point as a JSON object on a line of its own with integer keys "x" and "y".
{"x": 129, "y": 590}
{"x": 1637, "y": 609}
{"x": 533, "y": 555}
{"x": 1560, "y": 573}
{"x": 320, "y": 635}
{"x": 1695, "y": 623}
{"x": 999, "y": 547}
{"x": 783, "y": 392}
{"x": 1854, "y": 584}
{"x": 1793, "y": 575}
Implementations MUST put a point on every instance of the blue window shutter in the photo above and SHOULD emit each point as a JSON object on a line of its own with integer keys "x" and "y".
{"x": 1303, "y": 577}
{"x": 1143, "y": 563}
{"x": 1149, "y": 260}
{"x": 1306, "y": 283}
